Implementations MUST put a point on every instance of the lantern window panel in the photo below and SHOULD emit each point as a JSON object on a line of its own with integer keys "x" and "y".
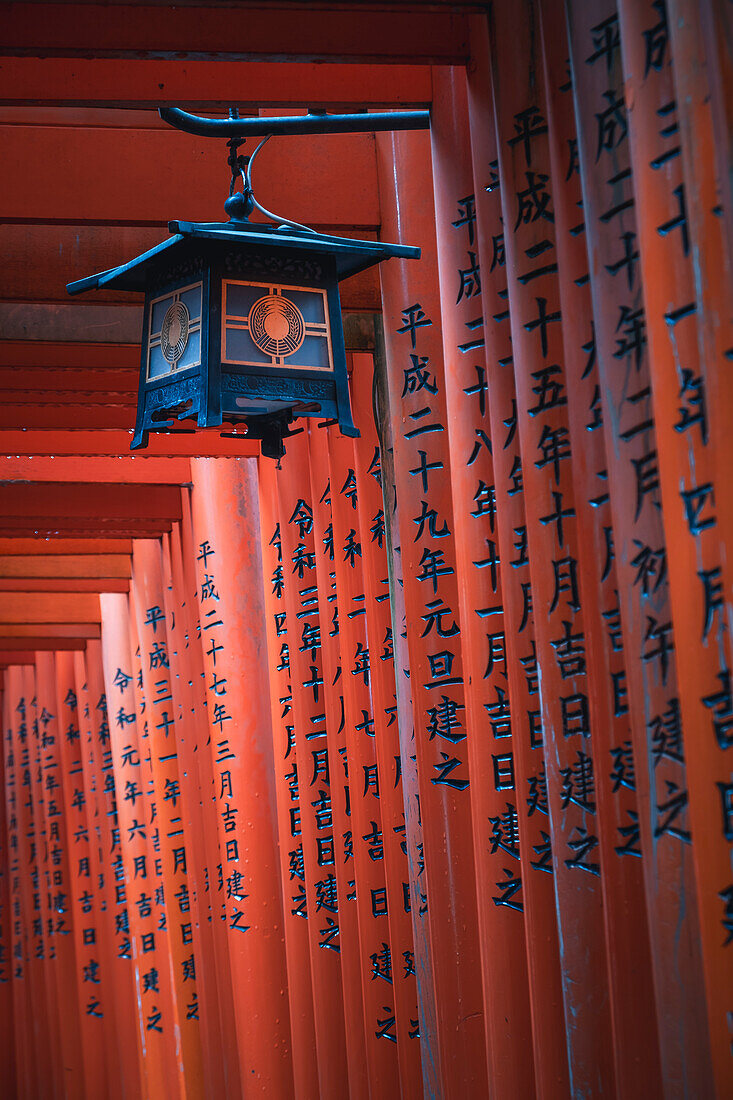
{"x": 273, "y": 325}
{"x": 174, "y": 338}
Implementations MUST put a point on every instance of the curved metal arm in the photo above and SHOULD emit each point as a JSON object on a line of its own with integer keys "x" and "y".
{"x": 247, "y": 180}
{"x": 362, "y": 123}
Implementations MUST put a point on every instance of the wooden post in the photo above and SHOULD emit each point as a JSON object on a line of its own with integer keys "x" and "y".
{"x": 289, "y": 808}
{"x": 91, "y": 982}
{"x": 628, "y": 952}
{"x": 322, "y": 821}
{"x": 24, "y": 1060}
{"x": 8, "y": 1020}
{"x": 442, "y": 879}
{"x": 154, "y": 1024}
{"x": 689, "y": 475}
{"x": 542, "y": 426}
{"x": 505, "y": 508}
{"x": 229, "y": 570}
{"x": 59, "y": 884}
{"x": 632, "y": 482}
{"x": 480, "y": 573}
{"x": 171, "y": 822}
{"x": 391, "y": 763}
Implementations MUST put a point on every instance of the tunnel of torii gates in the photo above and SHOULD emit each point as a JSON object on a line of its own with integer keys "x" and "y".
{"x": 402, "y": 766}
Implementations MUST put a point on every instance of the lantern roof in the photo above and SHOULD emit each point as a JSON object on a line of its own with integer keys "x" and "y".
{"x": 351, "y": 256}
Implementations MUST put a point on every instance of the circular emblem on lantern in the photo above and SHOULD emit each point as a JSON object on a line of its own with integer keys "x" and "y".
{"x": 276, "y": 325}
{"x": 174, "y": 332}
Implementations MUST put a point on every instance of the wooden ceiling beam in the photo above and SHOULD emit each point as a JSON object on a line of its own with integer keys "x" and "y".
{"x": 47, "y": 353}
{"x": 204, "y": 85}
{"x": 72, "y": 567}
{"x": 58, "y": 584}
{"x": 61, "y": 546}
{"x": 206, "y": 443}
{"x": 51, "y": 528}
{"x": 18, "y": 651}
{"x": 27, "y": 634}
{"x": 148, "y": 177}
{"x": 305, "y": 33}
{"x": 17, "y": 657}
{"x": 29, "y": 608}
{"x": 81, "y": 501}
{"x": 126, "y": 469}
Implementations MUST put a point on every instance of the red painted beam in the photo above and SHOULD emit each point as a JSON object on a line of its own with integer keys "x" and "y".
{"x": 11, "y": 645}
{"x": 159, "y": 175}
{"x": 79, "y": 501}
{"x": 113, "y": 442}
{"x": 47, "y": 584}
{"x": 41, "y": 399}
{"x": 139, "y": 30}
{"x": 16, "y": 657}
{"x": 65, "y": 546}
{"x": 45, "y": 607}
{"x": 134, "y": 469}
{"x": 65, "y": 383}
{"x": 204, "y": 85}
{"x": 30, "y": 633}
{"x": 67, "y": 417}
{"x": 57, "y": 527}
{"x": 66, "y": 567}
{"x": 47, "y": 353}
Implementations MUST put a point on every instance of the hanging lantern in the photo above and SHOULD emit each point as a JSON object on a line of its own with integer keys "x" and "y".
{"x": 242, "y": 320}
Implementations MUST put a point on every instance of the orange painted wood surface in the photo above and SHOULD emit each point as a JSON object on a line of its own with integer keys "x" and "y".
{"x": 136, "y": 30}
{"x": 97, "y": 81}
{"x": 398, "y": 767}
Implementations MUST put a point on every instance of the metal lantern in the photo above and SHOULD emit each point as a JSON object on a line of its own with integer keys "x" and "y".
{"x": 242, "y": 322}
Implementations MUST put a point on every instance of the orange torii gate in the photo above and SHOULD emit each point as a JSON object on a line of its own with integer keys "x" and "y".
{"x": 400, "y": 766}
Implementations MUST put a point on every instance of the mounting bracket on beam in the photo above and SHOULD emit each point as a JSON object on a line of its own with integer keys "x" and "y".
{"x": 315, "y": 122}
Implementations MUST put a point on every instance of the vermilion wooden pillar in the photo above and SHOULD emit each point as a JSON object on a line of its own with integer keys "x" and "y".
{"x": 24, "y": 1052}
{"x": 58, "y": 885}
{"x": 713, "y": 274}
{"x": 42, "y": 879}
{"x": 505, "y": 508}
{"x": 392, "y": 765}
{"x": 295, "y": 919}
{"x": 628, "y": 952}
{"x": 410, "y": 825}
{"x": 367, "y": 782}
{"x": 38, "y": 950}
{"x": 154, "y": 1032}
{"x": 172, "y": 824}
{"x": 632, "y": 481}
{"x": 538, "y": 361}
{"x": 700, "y": 576}
{"x": 99, "y": 761}
{"x": 322, "y": 821}
{"x": 229, "y": 569}
{"x": 215, "y": 897}
{"x": 8, "y": 1021}
{"x": 184, "y": 657}
{"x": 442, "y": 879}
{"x": 100, "y": 865}
{"x": 85, "y": 898}
{"x": 480, "y": 572}
{"x": 328, "y": 773}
